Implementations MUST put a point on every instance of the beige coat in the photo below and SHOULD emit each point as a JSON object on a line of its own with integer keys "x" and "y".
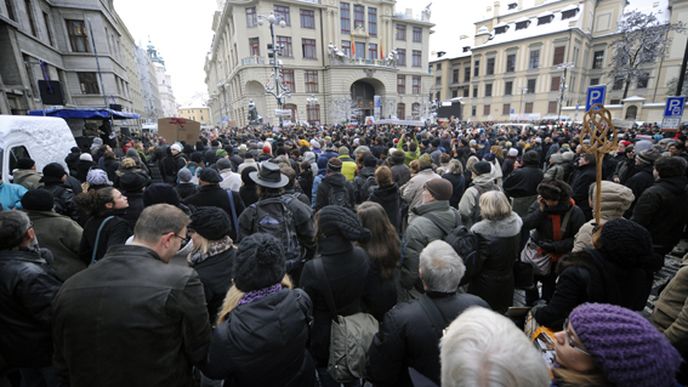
{"x": 671, "y": 309}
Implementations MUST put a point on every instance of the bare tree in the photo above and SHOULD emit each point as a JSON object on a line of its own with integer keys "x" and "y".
{"x": 643, "y": 38}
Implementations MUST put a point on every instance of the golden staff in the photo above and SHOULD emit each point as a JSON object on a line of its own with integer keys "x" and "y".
{"x": 603, "y": 136}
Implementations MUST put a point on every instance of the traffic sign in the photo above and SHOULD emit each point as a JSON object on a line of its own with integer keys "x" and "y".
{"x": 595, "y": 94}
{"x": 673, "y": 111}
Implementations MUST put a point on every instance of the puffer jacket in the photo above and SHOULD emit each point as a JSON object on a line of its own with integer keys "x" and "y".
{"x": 468, "y": 205}
{"x": 615, "y": 200}
{"x": 427, "y": 226}
{"x": 263, "y": 343}
{"x": 10, "y": 195}
{"x": 27, "y": 177}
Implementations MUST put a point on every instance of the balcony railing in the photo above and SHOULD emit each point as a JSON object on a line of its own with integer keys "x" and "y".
{"x": 363, "y": 62}
{"x": 252, "y": 60}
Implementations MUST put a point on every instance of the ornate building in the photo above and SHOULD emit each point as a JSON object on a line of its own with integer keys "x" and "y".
{"x": 339, "y": 60}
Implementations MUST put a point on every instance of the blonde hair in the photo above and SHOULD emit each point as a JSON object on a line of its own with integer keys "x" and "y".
{"x": 234, "y": 295}
{"x": 494, "y": 205}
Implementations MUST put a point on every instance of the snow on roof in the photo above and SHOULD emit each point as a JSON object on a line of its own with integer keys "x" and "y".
{"x": 483, "y": 30}
{"x": 521, "y": 20}
{"x": 634, "y": 98}
{"x": 658, "y": 7}
{"x": 570, "y": 8}
{"x": 501, "y": 25}
{"x": 534, "y": 30}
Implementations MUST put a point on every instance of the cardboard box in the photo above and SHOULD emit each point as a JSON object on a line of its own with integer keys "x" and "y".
{"x": 175, "y": 129}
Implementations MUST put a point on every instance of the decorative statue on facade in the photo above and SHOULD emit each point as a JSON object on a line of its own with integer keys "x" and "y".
{"x": 335, "y": 53}
{"x": 391, "y": 59}
{"x": 253, "y": 117}
{"x": 426, "y": 13}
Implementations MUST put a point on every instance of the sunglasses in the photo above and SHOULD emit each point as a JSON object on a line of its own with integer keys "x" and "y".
{"x": 571, "y": 340}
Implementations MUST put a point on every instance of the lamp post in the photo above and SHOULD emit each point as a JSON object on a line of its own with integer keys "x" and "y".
{"x": 524, "y": 91}
{"x": 278, "y": 90}
{"x": 562, "y": 85}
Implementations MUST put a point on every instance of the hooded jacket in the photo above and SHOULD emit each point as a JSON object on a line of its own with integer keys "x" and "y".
{"x": 411, "y": 192}
{"x": 27, "y": 177}
{"x": 468, "y": 205}
{"x": 333, "y": 181}
{"x": 388, "y": 197}
{"x": 62, "y": 236}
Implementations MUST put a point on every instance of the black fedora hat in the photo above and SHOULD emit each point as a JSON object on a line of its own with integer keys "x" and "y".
{"x": 269, "y": 176}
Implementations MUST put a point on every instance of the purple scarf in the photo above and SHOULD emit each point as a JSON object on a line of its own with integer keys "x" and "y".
{"x": 255, "y": 295}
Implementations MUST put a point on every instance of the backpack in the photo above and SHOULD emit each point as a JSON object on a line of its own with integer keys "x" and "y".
{"x": 339, "y": 196}
{"x": 475, "y": 215}
{"x": 274, "y": 217}
{"x": 465, "y": 243}
{"x": 363, "y": 187}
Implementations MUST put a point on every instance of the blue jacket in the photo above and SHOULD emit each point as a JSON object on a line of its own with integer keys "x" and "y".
{"x": 10, "y": 195}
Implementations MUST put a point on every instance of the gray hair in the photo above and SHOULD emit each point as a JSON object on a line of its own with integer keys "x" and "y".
{"x": 482, "y": 348}
{"x": 13, "y": 226}
{"x": 158, "y": 220}
{"x": 494, "y": 205}
{"x": 455, "y": 167}
{"x": 441, "y": 268}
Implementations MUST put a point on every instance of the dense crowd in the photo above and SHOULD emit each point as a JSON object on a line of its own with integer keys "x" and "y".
{"x": 385, "y": 256}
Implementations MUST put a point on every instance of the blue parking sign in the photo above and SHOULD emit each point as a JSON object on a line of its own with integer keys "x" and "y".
{"x": 674, "y": 107}
{"x": 595, "y": 94}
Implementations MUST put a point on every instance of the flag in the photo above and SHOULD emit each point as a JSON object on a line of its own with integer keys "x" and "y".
{"x": 382, "y": 54}
{"x": 353, "y": 47}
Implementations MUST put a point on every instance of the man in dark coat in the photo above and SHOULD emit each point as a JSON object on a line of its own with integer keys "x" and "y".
{"x": 581, "y": 179}
{"x": 400, "y": 172}
{"x": 54, "y": 180}
{"x": 211, "y": 194}
{"x": 334, "y": 188}
{"x": 521, "y": 184}
{"x": 172, "y": 163}
{"x": 410, "y": 333}
{"x": 643, "y": 177}
{"x": 133, "y": 318}
{"x": 663, "y": 208}
{"x": 27, "y": 288}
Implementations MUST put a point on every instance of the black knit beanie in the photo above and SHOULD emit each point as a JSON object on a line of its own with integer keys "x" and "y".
{"x": 38, "y": 200}
{"x": 212, "y": 223}
{"x": 259, "y": 263}
{"x": 338, "y": 220}
{"x": 626, "y": 243}
{"x": 160, "y": 193}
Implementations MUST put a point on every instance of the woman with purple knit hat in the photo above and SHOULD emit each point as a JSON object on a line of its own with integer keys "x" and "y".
{"x": 607, "y": 345}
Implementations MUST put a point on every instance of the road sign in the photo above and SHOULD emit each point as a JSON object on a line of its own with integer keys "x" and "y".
{"x": 595, "y": 94}
{"x": 673, "y": 111}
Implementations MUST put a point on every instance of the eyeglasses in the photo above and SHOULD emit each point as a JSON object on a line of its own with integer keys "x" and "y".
{"x": 571, "y": 340}
{"x": 181, "y": 238}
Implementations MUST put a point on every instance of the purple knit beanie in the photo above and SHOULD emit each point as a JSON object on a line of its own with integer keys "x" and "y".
{"x": 630, "y": 351}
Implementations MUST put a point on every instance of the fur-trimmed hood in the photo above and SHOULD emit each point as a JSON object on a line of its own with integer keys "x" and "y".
{"x": 504, "y": 228}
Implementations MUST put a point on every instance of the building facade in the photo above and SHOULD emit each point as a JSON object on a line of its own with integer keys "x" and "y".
{"x": 83, "y": 45}
{"x": 168, "y": 104}
{"x": 537, "y": 61}
{"x": 152, "y": 107}
{"x": 196, "y": 113}
{"x": 340, "y": 60}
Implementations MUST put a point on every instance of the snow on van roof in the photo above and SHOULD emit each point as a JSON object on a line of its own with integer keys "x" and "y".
{"x": 49, "y": 135}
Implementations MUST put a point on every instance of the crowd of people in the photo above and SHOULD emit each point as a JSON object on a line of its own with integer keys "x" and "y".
{"x": 245, "y": 258}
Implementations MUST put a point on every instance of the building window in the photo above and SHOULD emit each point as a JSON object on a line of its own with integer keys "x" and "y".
{"x": 9, "y": 4}
{"x": 285, "y": 43}
{"x": 529, "y": 107}
{"x": 455, "y": 93}
{"x": 307, "y": 18}
{"x": 488, "y": 90}
{"x": 531, "y": 86}
{"x": 251, "y": 17}
{"x": 552, "y": 107}
{"x": 508, "y": 88}
{"x": 345, "y": 18}
{"x": 88, "y": 83}
{"x": 401, "y": 32}
{"x": 594, "y": 81}
{"x": 631, "y": 112}
{"x": 401, "y": 84}
{"x": 511, "y": 63}
{"x": 465, "y": 92}
{"x": 308, "y": 47}
{"x": 372, "y": 21}
{"x": 78, "y": 39}
{"x": 545, "y": 19}
{"x": 569, "y": 13}
{"x": 438, "y": 81}
{"x": 489, "y": 69}
{"x": 288, "y": 78}
{"x": 522, "y": 25}
{"x": 486, "y": 110}
{"x": 401, "y": 56}
{"x": 556, "y": 81}
{"x": 475, "y": 91}
{"x": 455, "y": 76}
{"x": 254, "y": 46}
{"x": 313, "y": 113}
{"x": 32, "y": 21}
{"x": 415, "y": 84}
{"x": 466, "y": 73}
{"x": 506, "y": 109}
{"x": 359, "y": 16}
{"x": 360, "y": 50}
{"x": 534, "y": 59}
{"x": 416, "y": 58}
{"x": 598, "y": 59}
{"x": 372, "y": 51}
{"x": 401, "y": 110}
{"x": 311, "y": 81}
{"x": 618, "y": 83}
{"x": 417, "y": 35}
{"x": 558, "y": 55}
{"x": 501, "y": 29}
{"x": 474, "y": 111}
{"x": 476, "y": 68}
{"x": 46, "y": 22}
{"x": 346, "y": 47}
{"x": 282, "y": 11}
{"x": 643, "y": 80}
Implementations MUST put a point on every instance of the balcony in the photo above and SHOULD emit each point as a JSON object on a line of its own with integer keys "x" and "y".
{"x": 252, "y": 60}
{"x": 346, "y": 61}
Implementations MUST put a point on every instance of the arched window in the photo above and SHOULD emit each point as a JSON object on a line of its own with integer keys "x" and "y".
{"x": 631, "y": 112}
{"x": 415, "y": 110}
{"x": 401, "y": 111}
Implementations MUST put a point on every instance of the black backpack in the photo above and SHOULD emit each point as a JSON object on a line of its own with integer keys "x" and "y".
{"x": 339, "y": 196}
{"x": 465, "y": 243}
{"x": 274, "y": 217}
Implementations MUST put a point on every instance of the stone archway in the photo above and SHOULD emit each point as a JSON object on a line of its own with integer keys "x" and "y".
{"x": 253, "y": 90}
{"x": 363, "y": 92}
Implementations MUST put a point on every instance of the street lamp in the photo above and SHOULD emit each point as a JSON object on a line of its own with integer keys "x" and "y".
{"x": 562, "y": 85}
{"x": 278, "y": 89}
{"x": 524, "y": 91}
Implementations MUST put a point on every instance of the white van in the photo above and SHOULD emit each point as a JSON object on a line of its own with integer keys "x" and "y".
{"x": 43, "y": 139}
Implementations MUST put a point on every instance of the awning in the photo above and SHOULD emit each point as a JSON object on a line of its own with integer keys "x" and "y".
{"x": 86, "y": 114}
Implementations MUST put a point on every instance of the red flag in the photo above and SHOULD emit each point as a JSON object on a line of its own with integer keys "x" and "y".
{"x": 382, "y": 54}
{"x": 353, "y": 47}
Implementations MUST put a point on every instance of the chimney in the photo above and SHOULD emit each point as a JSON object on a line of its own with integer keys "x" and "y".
{"x": 409, "y": 13}
{"x": 495, "y": 9}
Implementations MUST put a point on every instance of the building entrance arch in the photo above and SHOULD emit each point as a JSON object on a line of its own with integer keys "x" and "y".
{"x": 363, "y": 92}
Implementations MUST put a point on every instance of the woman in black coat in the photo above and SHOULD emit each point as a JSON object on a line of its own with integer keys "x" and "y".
{"x": 458, "y": 180}
{"x": 212, "y": 255}
{"x": 262, "y": 328}
{"x": 386, "y": 193}
{"x": 346, "y": 270}
{"x": 618, "y": 271}
{"x": 491, "y": 277}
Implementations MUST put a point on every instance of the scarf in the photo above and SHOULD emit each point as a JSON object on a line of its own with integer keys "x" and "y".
{"x": 214, "y": 248}
{"x": 255, "y": 295}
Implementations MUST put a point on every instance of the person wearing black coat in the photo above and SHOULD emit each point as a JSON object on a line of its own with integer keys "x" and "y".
{"x": 211, "y": 194}
{"x": 28, "y": 286}
{"x": 581, "y": 180}
{"x": 386, "y": 193}
{"x": 83, "y": 165}
{"x": 521, "y": 185}
{"x": 410, "y": 333}
{"x": 458, "y": 180}
{"x": 72, "y": 159}
{"x": 619, "y": 271}
{"x": 55, "y": 180}
{"x": 334, "y": 180}
{"x": 663, "y": 208}
{"x": 249, "y": 189}
{"x": 346, "y": 269}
